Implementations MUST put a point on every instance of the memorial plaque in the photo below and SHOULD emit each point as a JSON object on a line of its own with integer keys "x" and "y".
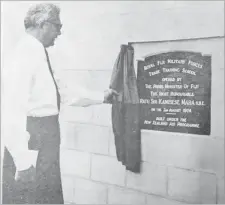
{"x": 175, "y": 92}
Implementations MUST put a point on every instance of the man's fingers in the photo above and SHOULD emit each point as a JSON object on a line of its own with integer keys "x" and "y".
{"x": 16, "y": 175}
{"x": 26, "y": 175}
{"x": 115, "y": 92}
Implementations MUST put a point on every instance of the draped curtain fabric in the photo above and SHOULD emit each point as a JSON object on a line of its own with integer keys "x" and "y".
{"x": 125, "y": 111}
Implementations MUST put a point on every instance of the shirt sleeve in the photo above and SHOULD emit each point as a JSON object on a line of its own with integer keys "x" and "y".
{"x": 16, "y": 88}
{"x": 78, "y": 95}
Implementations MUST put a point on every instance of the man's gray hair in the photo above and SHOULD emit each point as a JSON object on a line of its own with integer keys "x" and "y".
{"x": 40, "y": 13}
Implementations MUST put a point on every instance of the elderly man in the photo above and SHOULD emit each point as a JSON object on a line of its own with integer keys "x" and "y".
{"x": 31, "y": 103}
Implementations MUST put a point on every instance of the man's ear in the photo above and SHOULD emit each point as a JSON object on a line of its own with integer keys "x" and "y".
{"x": 41, "y": 25}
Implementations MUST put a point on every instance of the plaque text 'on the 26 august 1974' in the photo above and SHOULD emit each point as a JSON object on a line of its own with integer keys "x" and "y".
{"x": 175, "y": 92}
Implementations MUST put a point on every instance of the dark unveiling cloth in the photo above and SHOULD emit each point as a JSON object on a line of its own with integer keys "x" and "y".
{"x": 125, "y": 111}
{"x": 47, "y": 186}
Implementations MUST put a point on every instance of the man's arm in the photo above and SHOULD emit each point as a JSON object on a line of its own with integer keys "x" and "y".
{"x": 16, "y": 87}
{"x": 80, "y": 96}
{"x": 88, "y": 98}
{"x": 85, "y": 98}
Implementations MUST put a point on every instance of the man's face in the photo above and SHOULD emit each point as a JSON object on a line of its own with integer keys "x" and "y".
{"x": 51, "y": 30}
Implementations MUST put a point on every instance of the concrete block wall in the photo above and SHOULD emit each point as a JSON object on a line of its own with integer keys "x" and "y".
{"x": 177, "y": 168}
{"x": 92, "y": 175}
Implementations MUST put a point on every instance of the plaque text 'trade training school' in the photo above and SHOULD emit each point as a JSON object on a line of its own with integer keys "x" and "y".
{"x": 175, "y": 92}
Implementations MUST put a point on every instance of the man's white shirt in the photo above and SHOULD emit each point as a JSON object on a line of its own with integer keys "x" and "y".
{"x": 29, "y": 90}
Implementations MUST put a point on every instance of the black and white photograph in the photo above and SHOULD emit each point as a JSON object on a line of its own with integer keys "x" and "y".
{"x": 112, "y": 102}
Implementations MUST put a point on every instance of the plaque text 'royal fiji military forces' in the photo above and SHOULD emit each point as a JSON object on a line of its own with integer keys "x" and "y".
{"x": 175, "y": 92}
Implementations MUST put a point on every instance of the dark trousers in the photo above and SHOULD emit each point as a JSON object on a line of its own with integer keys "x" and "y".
{"x": 47, "y": 186}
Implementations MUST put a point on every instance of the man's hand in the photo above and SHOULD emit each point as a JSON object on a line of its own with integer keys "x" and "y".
{"x": 27, "y": 175}
{"x": 108, "y": 95}
{"x": 25, "y": 163}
